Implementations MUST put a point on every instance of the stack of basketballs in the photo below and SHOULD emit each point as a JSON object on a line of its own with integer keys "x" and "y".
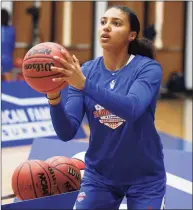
{"x": 37, "y": 178}
{"x": 59, "y": 174}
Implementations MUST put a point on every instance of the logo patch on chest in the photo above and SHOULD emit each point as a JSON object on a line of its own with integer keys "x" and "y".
{"x": 107, "y": 118}
{"x": 112, "y": 84}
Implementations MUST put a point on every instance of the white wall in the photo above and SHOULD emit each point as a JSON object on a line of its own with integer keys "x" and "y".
{"x": 188, "y": 47}
{"x": 8, "y": 5}
{"x": 67, "y": 23}
{"x": 99, "y": 11}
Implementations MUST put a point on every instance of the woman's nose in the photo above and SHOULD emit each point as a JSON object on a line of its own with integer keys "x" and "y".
{"x": 107, "y": 28}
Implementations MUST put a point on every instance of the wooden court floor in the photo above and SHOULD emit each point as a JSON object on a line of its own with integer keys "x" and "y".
{"x": 173, "y": 117}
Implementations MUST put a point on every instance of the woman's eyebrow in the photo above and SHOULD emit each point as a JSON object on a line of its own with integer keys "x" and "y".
{"x": 114, "y": 18}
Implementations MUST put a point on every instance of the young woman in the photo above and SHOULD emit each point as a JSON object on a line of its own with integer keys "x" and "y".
{"x": 118, "y": 93}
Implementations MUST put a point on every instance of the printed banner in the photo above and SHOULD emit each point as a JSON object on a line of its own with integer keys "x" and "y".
{"x": 25, "y": 114}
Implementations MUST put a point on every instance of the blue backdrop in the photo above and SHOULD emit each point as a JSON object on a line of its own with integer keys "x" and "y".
{"x": 26, "y": 115}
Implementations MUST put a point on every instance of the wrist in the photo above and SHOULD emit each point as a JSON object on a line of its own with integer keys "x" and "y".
{"x": 54, "y": 102}
{"x": 53, "y": 98}
{"x": 82, "y": 84}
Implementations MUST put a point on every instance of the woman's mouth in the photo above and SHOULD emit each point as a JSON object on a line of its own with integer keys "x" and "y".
{"x": 105, "y": 37}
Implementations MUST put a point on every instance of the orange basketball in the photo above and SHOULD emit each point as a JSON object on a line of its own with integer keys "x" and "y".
{"x": 79, "y": 163}
{"x": 36, "y": 67}
{"x": 33, "y": 179}
{"x": 68, "y": 176}
{"x": 79, "y": 160}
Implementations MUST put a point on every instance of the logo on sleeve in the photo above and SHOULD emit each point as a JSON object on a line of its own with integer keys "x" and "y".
{"x": 81, "y": 196}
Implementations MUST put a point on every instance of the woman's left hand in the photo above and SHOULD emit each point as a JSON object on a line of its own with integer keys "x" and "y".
{"x": 70, "y": 69}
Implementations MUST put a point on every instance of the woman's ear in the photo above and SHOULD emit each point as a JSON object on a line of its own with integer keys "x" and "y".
{"x": 132, "y": 36}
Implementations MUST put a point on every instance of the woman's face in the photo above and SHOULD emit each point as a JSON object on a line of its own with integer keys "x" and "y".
{"x": 114, "y": 30}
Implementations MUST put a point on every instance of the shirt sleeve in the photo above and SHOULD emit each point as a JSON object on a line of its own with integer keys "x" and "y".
{"x": 139, "y": 97}
{"x": 66, "y": 119}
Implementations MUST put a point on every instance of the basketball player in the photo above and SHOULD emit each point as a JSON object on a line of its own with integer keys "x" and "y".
{"x": 8, "y": 35}
{"x": 118, "y": 93}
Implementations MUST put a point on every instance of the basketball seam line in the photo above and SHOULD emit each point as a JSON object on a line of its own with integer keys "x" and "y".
{"x": 47, "y": 175}
{"x": 52, "y": 166}
{"x": 66, "y": 176}
{"x": 46, "y": 91}
{"x": 59, "y": 189}
{"x": 50, "y": 57}
{"x": 81, "y": 161}
{"x": 67, "y": 165}
{"x": 54, "y": 160}
{"x": 42, "y": 76}
{"x": 56, "y": 87}
{"x": 32, "y": 180}
{"x": 18, "y": 181}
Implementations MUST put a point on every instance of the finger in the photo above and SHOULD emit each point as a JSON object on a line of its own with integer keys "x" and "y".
{"x": 62, "y": 71}
{"x": 68, "y": 57}
{"x": 57, "y": 69}
{"x": 63, "y": 62}
{"x": 59, "y": 79}
{"x": 75, "y": 59}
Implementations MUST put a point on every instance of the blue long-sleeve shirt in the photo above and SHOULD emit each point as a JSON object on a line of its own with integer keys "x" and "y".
{"x": 7, "y": 47}
{"x": 124, "y": 146}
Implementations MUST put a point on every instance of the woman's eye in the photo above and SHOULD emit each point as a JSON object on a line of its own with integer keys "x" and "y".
{"x": 117, "y": 23}
{"x": 102, "y": 22}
